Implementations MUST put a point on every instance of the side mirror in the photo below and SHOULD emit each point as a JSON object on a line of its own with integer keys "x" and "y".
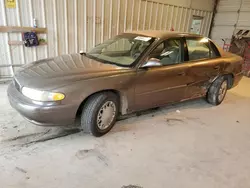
{"x": 82, "y": 52}
{"x": 151, "y": 63}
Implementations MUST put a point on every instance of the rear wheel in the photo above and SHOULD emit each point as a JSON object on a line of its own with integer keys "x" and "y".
{"x": 217, "y": 91}
{"x": 99, "y": 113}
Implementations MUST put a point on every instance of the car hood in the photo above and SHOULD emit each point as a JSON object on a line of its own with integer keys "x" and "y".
{"x": 55, "y": 72}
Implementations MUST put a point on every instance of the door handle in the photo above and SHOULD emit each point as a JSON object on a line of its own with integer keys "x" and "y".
{"x": 217, "y": 67}
{"x": 181, "y": 74}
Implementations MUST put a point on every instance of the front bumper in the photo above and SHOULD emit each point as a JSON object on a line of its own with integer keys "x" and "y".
{"x": 44, "y": 114}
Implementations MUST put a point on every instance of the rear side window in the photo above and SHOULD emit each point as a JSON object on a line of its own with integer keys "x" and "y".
{"x": 200, "y": 48}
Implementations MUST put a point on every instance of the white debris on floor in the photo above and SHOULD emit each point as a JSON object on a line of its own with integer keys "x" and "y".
{"x": 192, "y": 144}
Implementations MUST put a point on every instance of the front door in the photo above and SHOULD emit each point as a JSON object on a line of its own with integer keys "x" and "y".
{"x": 156, "y": 86}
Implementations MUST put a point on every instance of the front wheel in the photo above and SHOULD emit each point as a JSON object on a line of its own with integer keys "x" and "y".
{"x": 217, "y": 91}
{"x": 99, "y": 113}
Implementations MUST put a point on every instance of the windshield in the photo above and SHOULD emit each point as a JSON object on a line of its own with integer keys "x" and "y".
{"x": 122, "y": 50}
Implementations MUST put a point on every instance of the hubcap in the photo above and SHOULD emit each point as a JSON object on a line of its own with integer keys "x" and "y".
{"x": 222, "y": 91}
{"x": 106, "y": 115}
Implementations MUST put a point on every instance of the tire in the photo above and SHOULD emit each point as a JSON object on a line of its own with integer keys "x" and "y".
{"x": 213, "y": 94}
{"x": 94, "y": 109}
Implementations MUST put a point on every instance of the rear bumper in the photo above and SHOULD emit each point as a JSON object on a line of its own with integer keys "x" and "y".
{"x": 237, "y": 79}
{"x": 43, "y": 114}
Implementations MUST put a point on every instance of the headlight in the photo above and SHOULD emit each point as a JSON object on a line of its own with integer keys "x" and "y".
{"x": 42, "y": 95}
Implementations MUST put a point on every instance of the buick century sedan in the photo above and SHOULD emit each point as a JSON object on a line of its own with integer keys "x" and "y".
{"x": 131, "y": 72}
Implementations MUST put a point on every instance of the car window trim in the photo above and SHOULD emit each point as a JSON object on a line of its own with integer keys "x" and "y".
{"x": 199, "y": 60}
{"x": 214, "y": 48}
{"x": 186, "y": 56}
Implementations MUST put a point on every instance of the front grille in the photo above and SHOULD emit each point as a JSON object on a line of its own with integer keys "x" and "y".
{"x": 17, "y": 85}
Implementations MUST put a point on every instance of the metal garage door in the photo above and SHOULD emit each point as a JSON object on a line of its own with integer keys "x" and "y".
{"x": 231, "y": 16}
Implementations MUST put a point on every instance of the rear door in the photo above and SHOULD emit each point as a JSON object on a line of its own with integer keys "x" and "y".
{"x": 204, "y": 65}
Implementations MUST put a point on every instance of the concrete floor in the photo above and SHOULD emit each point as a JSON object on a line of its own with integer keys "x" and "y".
{"x": 192, "y": 144}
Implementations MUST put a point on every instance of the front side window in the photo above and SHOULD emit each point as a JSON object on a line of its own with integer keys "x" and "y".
{"x": 168, "y": 53}
{"x": 122, "y": 50}
{"x": 200, "y": 48}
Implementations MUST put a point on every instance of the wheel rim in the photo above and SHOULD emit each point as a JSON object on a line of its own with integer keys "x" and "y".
{"x": 106, "y": 115}
{"x": 223, "y": 90}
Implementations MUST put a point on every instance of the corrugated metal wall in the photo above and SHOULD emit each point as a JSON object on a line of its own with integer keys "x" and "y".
{"x": 231, "y": 15}
{"x": 75, "y": 25}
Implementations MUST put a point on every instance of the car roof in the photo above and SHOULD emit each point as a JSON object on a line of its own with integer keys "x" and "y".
{"x": 163, "y": 34}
